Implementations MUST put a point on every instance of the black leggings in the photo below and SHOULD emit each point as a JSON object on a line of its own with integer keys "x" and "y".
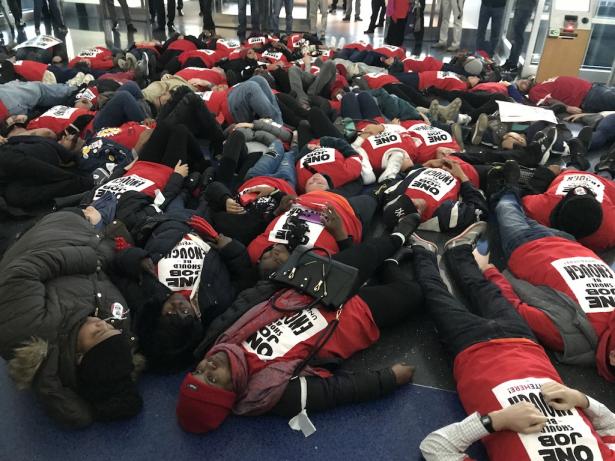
{"x": 408, "y": 93}
{"x": 235, "y": 159}
{"x": 171, "y": 143}
{"x": 473, "y": 104}
{"x": 397, "y": 296}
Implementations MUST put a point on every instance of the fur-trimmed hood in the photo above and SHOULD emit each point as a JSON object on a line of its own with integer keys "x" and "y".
{"x": 26, "y": 361}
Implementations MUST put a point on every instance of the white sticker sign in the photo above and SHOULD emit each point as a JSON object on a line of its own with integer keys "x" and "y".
{"x": 318, "y": 156}
{"x": 281, "y": 231}
{"x": 86, "y": 94}
{"x": 279, "y": 337}
{"x": 276, "y": 56}
{"x": 565, "y": 436}
{"x": 444, "y": 75}
{"x": 41, "y": 41}
{"x": 118, "y": 186}
{"x": 384, "y": 139}
{"x": 180, "y": 269}
{"x": 205, "y": 95}
{"x": 434, "y": 182}
{"x": 90, "y": 53}
{"x": 591, "y": 280}
{"x": 431, "y": 135}
{"x": 62, "y": 112}
{"x": 581, "y": 180}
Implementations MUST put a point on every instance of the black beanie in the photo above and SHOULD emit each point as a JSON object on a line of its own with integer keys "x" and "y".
{"x": 105, "y": 380}
{"x": 578, "y": 214}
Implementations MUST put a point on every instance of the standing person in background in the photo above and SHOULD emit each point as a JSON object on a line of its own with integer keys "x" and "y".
{"x": 264, "y": 15}
{"x": 56, "y": 16}
{"x": 417, "y": 18}
{"x": 288, "y": 10}
{"x": 333, "y": 8}
{"x": 457, "y": 7}
{"x": 160, "y": 15}
{"x": 357, "y": 10}
{"x": 209, "y": 26}
{"x": 314, "y": 5}
{"x": 113, "y": 15}
{"x": 180, "y": 7}
{"x": 242, "y": 15}
{"x": 523, "y": 14}
{"x": 397, "y": 10}
{"x": 15, "y": 7}
{"x": 490, "y": 10}
{"x": 378, "y": 8}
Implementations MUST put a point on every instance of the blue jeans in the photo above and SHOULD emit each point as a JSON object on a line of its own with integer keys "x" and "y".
{"x": 241, "y": 15}
{"x": 496, "y": 15}
{"x": 275, "y": 17}
{"x": 605, "y": 133}
{"x": 520, "y": 22}
{"x": 599, "y": 98}
{"x": 516, "y": 228}
{"x": 19, "y": 98}
{"x": 121, "y": 108}
{"x": 275, "y": 163}
{"x": 253, "y": 97}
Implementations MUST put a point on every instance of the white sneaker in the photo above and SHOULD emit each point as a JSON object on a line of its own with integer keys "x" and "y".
{"x": 341, "y": 43}
{"x": 463, "y": 119}
{"x": 77, "y": 80}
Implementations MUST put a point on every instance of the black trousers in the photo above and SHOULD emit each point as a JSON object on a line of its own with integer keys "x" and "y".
{"x": 170, "y": 143}
{"x": 488, "y": 314}
{"x": 473, "y": 104}
{"x": 316, "y": 125}
{"x": 398, "y": 295}
{"x": 378, "y": 9}
{"x": 160, "y": 13}
{"x": 408, "y": 93}
{"x": 15, "y": 7}
{"x": 395, "y": 34}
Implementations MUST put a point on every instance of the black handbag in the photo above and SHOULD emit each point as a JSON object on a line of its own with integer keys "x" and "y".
{"x": 329, "y": 282}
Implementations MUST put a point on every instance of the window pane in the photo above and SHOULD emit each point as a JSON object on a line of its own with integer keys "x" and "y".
{"x": 601, "y": 45}
{"x": 606, "y": 9}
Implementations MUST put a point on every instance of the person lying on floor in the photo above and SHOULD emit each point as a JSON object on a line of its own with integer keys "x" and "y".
{"x": 518, "y": 406}
{"x": 64, "y": 325}
{"x": 444, "y": 192}
{"x": 249, "y": 369}
{"x": 569, "y": 287}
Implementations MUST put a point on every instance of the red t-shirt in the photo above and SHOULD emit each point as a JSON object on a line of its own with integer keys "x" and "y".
{"x": 428, "y": 63}
{"x": 181, "y": 45}
{"x": 248, "y": 197}
{"x": 210, "y": 75}
{"x": 377, "y": 80}
{"x": 294, "y": 335}
{"x": 358, "y": 45}
{"x": 32, "y": 71}
{"x": 126, "y": 134}
{"x": 448, "y": 81}
{"x": 495, "y": 374}
{"x": 378, "y": 147}
{"x": 317, "y": 235}
{"x": 569, "y": 90}
{"x": 391, "y": 51}
{"x": 490, "y": 87}
{"x": 434, "y": 186}
{"x": 540, "y": 207}
{"x": 428, "y": 139}
{"x": 217, "y": 103}
{"x": 58, "y": 118}
{"x": 330, "y": 162}
{"x": 209, "y": 58}
{"x": 146, "y": 177}
{"x": 100, "y": 58}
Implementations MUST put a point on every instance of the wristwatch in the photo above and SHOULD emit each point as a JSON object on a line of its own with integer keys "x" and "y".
{"x": 487, "y": 423}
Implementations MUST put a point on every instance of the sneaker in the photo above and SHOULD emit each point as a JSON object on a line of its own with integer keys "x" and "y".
{"x": 495, "y": 180}
{"x": 368, "y": 31}
{"x": 470, "y": 236}
{"x": 511, "y": 173}
{"x": 607, "y": 162}
{"x": 407, "y": 225}
{"x": 143, "y": 66}
{"x": 449, "y": 113}
{"x": 557, "y": 108}
{"x": 479, "y": 129}
{"x": 77, "y": 80}
{"x": 439, "y": 45}
{"x": 346, "y": 19}
{"x": 358, "y": 19}
{"x": 115, "y": 26}
{"x": 577, "y": 155}
{"x": 543, "y": 143}
{"x": 416, "y": 241}
{"x": 585, "y": 136}
{"x": 434, "y": 110}
{"x": 131, "y": 61}
{"x": 87, "y": 79}
{"x": 453, "y": 48}
{"x": 464, "y": 119}
{"x": 180, "y": 11}
{"x": 457, "y": 133}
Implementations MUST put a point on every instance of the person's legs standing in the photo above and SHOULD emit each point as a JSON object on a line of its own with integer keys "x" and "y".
{"x": 419, "y": 29}
{"x": 288, "y": 13}
{"x": 374, "y": 17}
{"x": 170, "y": 12}
{"x": 481, "y": 30}
{"x": 357, "y": 9}
{"x": 275, "y": 16}
{"x": 348, "y": 9}
{"x": 520, "y": 22}
{"x": 457, "y": 23}
{"x": 125, "y": 11}
{"x": 56, "y": 14}
{"x": 324, "y": 13}
{"x": 497, "y": 15}
{"x": 241, "y": 17}
{"x": 110, "y": 7}
{"x": 208, "y": 20}
{"x": 38, "y": 10}
{"x": 444, "y": 23}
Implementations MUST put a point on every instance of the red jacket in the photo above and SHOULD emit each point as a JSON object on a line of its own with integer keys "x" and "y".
{"x": 181, "y": 45}
{"x": 576, "y": 271}
{"x": 317, "y": 236}
{"x": 490, "y": 87}
{"x": 210, "y": 75}
{"x": 377, "y": 80}
{"x": 569, "y": 90}
{"x": 540, "y": 207}
{"x": 127, "y": 134}
{"x": 495, "y": 374}
{"x": 209, "y": 58}
{"x": 448, "y": 81}
{"x": 427, "y": 63}
{"x": 391, "y": 51}
{"x": 217, "y": 103}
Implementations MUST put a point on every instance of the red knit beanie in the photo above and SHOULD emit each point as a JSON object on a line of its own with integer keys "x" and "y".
{"x": 201, "y": 407}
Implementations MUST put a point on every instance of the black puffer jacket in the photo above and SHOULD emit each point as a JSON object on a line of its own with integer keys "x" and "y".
{"x": 51, "y": 280}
